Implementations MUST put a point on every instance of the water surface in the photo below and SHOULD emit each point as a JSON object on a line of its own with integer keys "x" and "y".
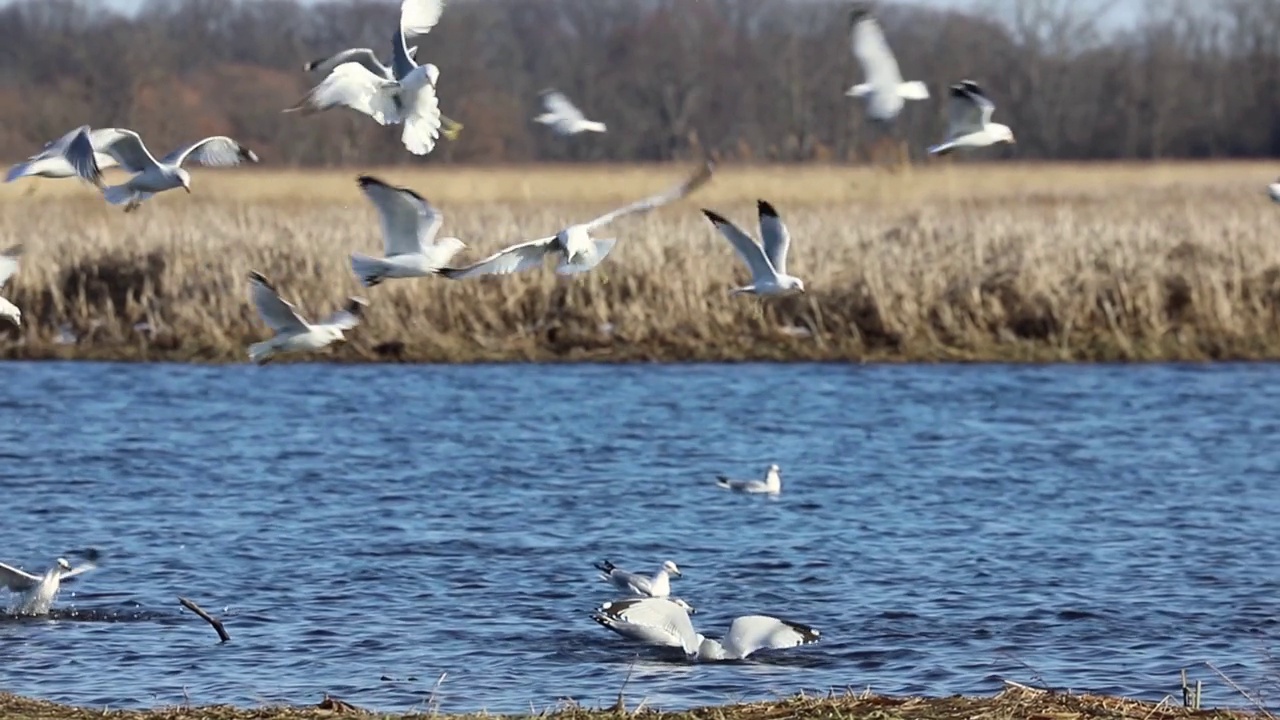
{"x": 365, "y": 529}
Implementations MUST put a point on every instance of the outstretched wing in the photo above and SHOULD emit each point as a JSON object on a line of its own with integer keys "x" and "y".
{"x": 417, "y": 17}
{"x": 774, "y": 235}
{"x": 82, "y": 157}
{"x": 751, "y": 253}
{"x": 555, "y": 102}
{"x": 967, "y": 111}
{"x": 350, "y": 314}
{"x": 879, "y": 66}
{"x": 514, "y": 259}
{"x": 980, "y": 98}
{"x": 362, "y": 56}
{"x": 216, "y": 151}
{"x": 750, "y": 633}
{"x": 409, "y": 222}
{"x": 670, "y": 195}
{"x": 9, "y": 263}
{"x": 125, "y": 146}
{"x": 654, "y": 620}
{"x": 352, "y": 85}
{"x": 279, "y": 314}
{"x": 17, "y": 580}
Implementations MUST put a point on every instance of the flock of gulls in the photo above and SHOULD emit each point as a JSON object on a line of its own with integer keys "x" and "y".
{"x": 403, "y": 93}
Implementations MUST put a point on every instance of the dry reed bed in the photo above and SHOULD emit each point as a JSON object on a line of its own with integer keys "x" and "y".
{"x": 979, "y": 262}
{"x": 1011, "y": 704}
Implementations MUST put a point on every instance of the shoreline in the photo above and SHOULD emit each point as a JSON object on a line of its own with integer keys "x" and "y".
{"x": 1015, "y": 701}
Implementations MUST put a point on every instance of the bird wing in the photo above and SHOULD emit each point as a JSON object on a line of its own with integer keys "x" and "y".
{"x": 670, "y": 195}
{"x": 751, "y": 253}
{"x": 556, "y": 103}
{"x": 82, "y": 157}
{"x": 630, "y": 581}
{"x": 56, "y": 147}
{"x": 402, "y": 63}
{"x": 363, "y": 56}
{"x": 514, "y": 259}
{"x": 9, "y": 263}
{"x": 279, "y": 314}
{"x": 409, "y": 222}
{"x": 980, "y": 98}
{"x": 352, "y": 85}
{"x": 417, "y": 17}
{"x": 879, "y": 66}
{"x": 654, "y": 617}
{"x": 750, "y": 633}
{"x": 77, "y": 570}
{"x": 17, "y": 580}
{"x": 126, "y": 147}
{"x": 965, "y": 111}
{"x": 350, "y": 314}
{"x": 216, "y": 151}
{"x": 774, "y": 235}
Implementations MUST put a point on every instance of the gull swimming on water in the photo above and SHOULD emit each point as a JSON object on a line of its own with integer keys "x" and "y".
{"x": 409, "y": 227}
{"x": 768, "y": 265}
{"x": 563, "y": 117}
{"x": 52, "y": 162}
{"x": 409, "y": 99}
{"x": 770, "y": 485}
{"x": 657, "y": 586}
{"x": 9, "y": 266}
{"x": 884, "y": 90}
{"x": 577, "y": 250}
{"x": 658, "y": 621}
{"x": 293, "y": 332}
{"x": 969, "y": 124}
{"x": 37, "y": 592}
{"x": 417, "y": 17}
{"x": 151, "y": 176}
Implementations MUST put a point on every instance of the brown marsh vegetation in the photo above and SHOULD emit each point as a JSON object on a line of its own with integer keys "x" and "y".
{"x": 1013, "y": 703}
{"x": 945, "y": 262}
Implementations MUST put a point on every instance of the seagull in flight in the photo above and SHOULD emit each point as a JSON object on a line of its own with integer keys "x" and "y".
{"x": 293, "y": 332}
{"x": 657, "y": 586}
{"x": 563, "y": 117}
{"x": 9, "y": 266}
{"x": 768, "y": 265}
{"x": 51, "y": 161}
{"x": 409, "y": 227}
{"x": 577, "y": 250}
{"x": 150, "y": 176}
{"x": 770, "y": 485}
{"x": 661, "y": 622}
{"x": 883, "y": 90}
{"x": 969, "y": 124}
{"x": 36, "y": 593}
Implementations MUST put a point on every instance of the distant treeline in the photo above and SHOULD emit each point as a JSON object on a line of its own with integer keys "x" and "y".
{"x": 751, "y": 79}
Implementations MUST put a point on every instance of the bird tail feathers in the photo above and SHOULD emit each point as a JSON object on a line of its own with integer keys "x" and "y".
{"x": 859, "y": 90}
{"x": 723, "y": 481}
{"x": 369, "y": 270}
{"x": 117, "y": 194}
{"x": 913, "y": 90}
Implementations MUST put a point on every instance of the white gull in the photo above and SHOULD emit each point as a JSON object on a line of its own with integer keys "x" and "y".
{"x": 883, "y": 90}
{"x": 661, "y": 622}
{"x": 36, "y": 593}
{"x": 293, "y": 333}
{"x": 9, "y": 266}
{"x": 770, "y": 485}
{"x": 969, "y": 124}
{"x": 657, "y": 586}
{"x": 563, "y": 117}
{"x": 768, "y": 264}
{"x": 409, "y": 227}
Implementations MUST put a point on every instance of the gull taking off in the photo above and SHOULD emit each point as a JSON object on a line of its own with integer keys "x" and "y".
{"x": 37, "y": 592}
{"x": 770, "y": 485}
{"x": 409, "y": 227}
{"x": 417, "y": 17}
{"x": 9, "y": 266}
{"x": 150, "y": 175}
{"x": 51, "y": 161}
{"x": 768, "y": 265}
{"x": 970, "y": 125}
{"x": 657, "y": 586}
{"x": 577, "y": 249}
{"x": 658, "y": 621}
{"x": 883, "y": 90}
{"x": 293, "y": 332}
{"x": 563, "y": 117}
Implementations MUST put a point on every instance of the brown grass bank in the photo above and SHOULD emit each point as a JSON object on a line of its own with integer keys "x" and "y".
{"x": 963, "y": 262}
{"x": 1011, "y": 704}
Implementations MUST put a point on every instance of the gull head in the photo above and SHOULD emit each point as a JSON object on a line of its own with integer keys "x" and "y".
{"x": 793, "y": 286}
{"x": 683, "y": 605}
{"x": 671, "y": 568}
{"x": 63, "y": 564}
{"x": 773, "y": 469}
{"x": 1001, "y": 133}
{"x": 450, "y": 246}
{"x": 184, "y": 178}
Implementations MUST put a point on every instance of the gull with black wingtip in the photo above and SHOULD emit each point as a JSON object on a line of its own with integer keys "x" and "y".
{"x": 969, "y": 124}
{"x": 36, "y": 593}
{"x": 768, "y": 264}
{"x": 661, "y": 622}
{"x": 409, "y": 227}
{"x": 293, "y": 333}
{"x": 657, "y": 586}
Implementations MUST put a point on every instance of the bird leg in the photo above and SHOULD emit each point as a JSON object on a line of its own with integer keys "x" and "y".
{"x": 449, "y": 127}
{"x": 133, "y": 204}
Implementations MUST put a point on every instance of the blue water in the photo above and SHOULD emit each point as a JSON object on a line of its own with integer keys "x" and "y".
{"x": 364, "y": 529}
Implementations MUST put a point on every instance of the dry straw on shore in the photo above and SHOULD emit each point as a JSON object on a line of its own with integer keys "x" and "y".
{"x": 1014, "y": 703}
{"x": 995, "y": 261}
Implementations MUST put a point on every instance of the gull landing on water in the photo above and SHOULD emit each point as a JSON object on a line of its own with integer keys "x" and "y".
{"x": 770, "y": 485}
{"x": 563, "y": 117}
{"x": 293, "y": 332}
{"x": 409, "y": 227}
{"x": 969, "y": 124}
{"x": 36, "y": 593}
{"x": 9, "y": 266}
{"x": 661, "y": 622}
{"x": 150, "y": 176}
{"x": 768, "y": 265}
{"x": 577, "y": 250}
{"x": 657, "y": 586}
{"x": 884, "y": 90}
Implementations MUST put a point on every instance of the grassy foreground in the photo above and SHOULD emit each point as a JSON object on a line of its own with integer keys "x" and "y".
{"x": 1014, "y": 703}
{"x": 943, "y": 262}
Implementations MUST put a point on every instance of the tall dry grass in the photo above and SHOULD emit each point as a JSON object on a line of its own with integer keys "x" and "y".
{"x": 1002, "y": 261}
